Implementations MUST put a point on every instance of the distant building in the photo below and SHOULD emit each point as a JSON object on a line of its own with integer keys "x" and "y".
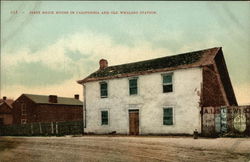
{"x": 160, "y": 96}
{"x": 6, "y": 117}
{"x": 30, "y": 108}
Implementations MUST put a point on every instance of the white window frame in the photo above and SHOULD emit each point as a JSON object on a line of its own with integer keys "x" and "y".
{"x": 172, "y": 83}
{"x": 101, "y": 117}
{"x": 101, "y": 90}
{"x": 131, "y": 78}
{"x": 173, "y": 111}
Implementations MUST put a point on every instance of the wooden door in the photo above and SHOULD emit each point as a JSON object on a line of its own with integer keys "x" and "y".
{"x": 134, "y": 122}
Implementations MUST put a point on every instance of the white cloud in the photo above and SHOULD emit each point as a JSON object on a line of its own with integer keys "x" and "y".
{"x": 102, "y": 46}
{"x": 96, "y": 45}
{"x": 52, "y": 56}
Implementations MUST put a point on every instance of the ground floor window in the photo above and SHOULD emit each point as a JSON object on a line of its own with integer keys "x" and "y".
{"x": 104, "y": 116}
{"x": 168, "y": 116}
{"x": 1, "y": 121}
{"x": 23, "y": 121}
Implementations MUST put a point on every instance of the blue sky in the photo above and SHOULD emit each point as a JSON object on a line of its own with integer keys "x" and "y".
{"x": 46, "y": 54}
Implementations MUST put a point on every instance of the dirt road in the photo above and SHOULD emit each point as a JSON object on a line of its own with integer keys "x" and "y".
{"x": 105, "y": 148}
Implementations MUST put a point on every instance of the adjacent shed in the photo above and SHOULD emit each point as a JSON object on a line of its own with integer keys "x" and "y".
{"x": 6, "y": 117}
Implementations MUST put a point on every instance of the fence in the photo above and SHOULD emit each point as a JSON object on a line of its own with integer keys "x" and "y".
{"x": 44, "y": 129}
{"x": 230, "y": 120}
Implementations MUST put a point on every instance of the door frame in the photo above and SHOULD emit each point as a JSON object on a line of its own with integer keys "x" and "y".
{"x": 139, "y": 127}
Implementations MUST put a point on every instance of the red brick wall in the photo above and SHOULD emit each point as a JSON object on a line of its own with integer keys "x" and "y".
{"x": 45, "y": 112}
{"x": 6, "y": 114}
{"x": 225, "y": 79}
{"x": 30, "y": 107}
{"x": 211, "y": 92}
{"x": 48, "y": 113}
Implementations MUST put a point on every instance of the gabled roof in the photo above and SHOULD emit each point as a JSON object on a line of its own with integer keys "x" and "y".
{"x": 6, "y": 106}
{"x": 7, "y": 101}
{"x": 168, "y": 63}
{"x": 42, "y": 99}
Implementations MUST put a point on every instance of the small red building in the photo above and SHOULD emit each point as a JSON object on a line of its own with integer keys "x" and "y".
{"x": 30, "y": 108}
{"x": 6, "y": 117}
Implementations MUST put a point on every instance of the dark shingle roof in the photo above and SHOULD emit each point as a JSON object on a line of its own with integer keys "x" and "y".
{"x": 42, "y": 99}
{"x": 185, "y": 60}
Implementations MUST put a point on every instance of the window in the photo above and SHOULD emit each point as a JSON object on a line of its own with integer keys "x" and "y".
{"x": 168, "y": 116}
{"x": 167, "y": 83}
{"x": 133, "y": 86}
{"x": 23, "y": 121}
{"x": 104, "y": 89}
{"x": 104, "y": 115}
{"x": 23, "y": 109}
{"x": 1, "y": 121}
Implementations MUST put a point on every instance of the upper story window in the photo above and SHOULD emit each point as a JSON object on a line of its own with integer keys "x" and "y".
{"x": 167, "y": 82}
{"x": 133, "y": 89}
{"x": 23, "y": 109}
{"x": 104, "y": 89}
{"x": 105, "y": 118}
{"x": 168, "y": 116}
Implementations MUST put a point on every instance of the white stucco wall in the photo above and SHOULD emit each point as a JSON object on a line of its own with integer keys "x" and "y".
{"x": 150, "y": 101}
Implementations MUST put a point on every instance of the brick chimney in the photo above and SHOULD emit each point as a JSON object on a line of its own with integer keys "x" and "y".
{"x": 77, "y": 96}
{"x": 4, "y": 98}
{"x": 52, "y": 98}
{"x": 103, "y": 64}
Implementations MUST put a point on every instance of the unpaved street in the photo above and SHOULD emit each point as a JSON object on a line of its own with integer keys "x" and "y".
{"x": 122, "y": 148}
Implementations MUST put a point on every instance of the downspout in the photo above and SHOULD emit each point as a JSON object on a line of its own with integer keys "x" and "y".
{"x": 201, "y": 105}
{"x": 84, "y": 107}
{"x": 201, "y": 100}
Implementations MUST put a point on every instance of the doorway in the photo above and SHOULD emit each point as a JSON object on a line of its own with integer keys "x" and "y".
{"x": 133, "y": 122}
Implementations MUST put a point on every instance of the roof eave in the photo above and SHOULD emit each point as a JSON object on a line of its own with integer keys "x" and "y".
{"x": 59, "y": 104}
{"x": 80, "y": 81}
{"x": 9, "y": 106}
{"x": 139, "y": 73}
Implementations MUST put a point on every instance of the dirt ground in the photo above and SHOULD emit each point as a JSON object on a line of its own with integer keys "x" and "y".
{"x": 123, "y": 148}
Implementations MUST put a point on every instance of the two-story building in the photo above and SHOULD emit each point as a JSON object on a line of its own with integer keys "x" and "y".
{"x": 159, "y": 96}
{"x": 31, "y": 108}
